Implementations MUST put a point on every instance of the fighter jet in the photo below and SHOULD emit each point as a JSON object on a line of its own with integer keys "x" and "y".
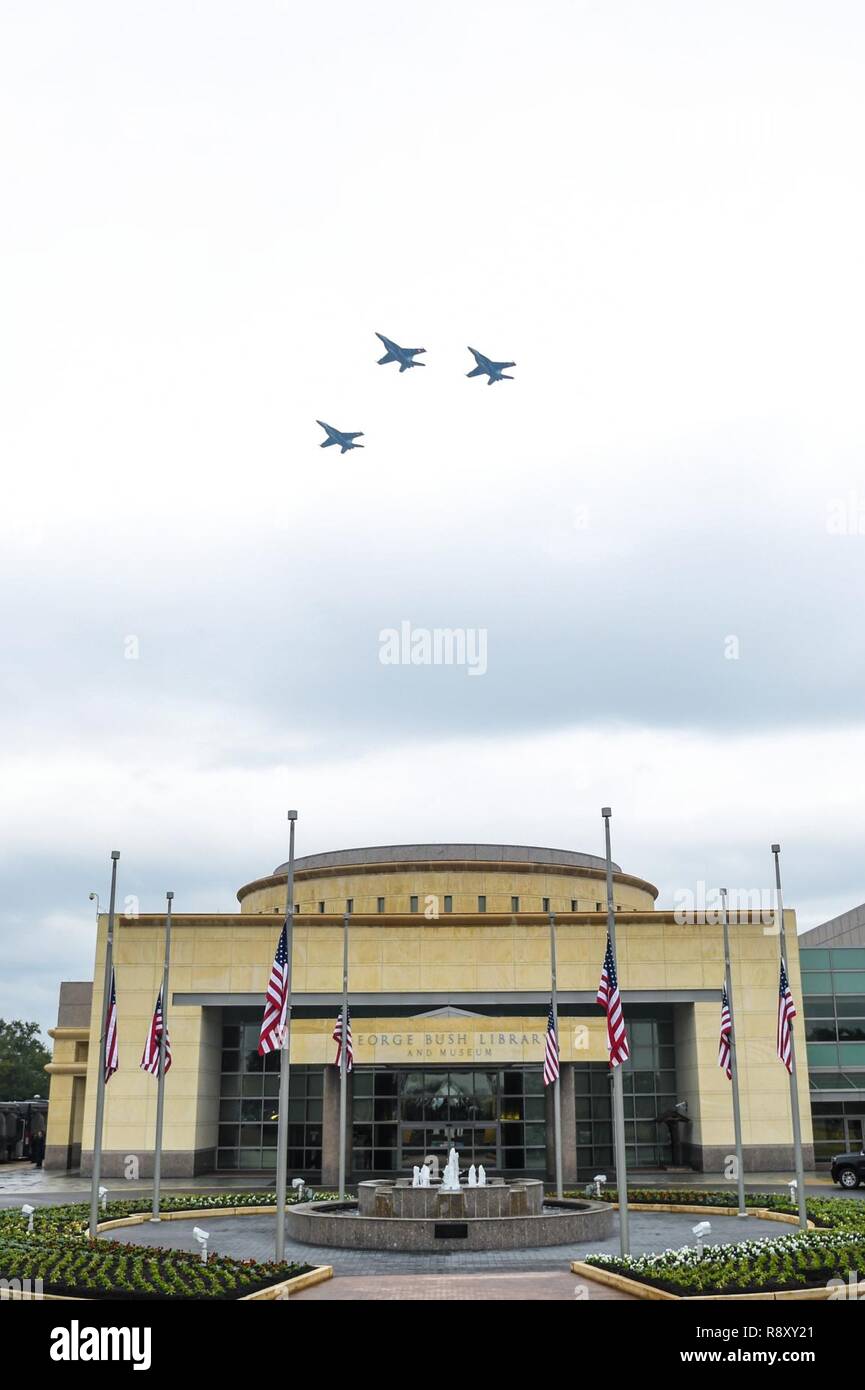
{"x": 403, "y": 356}
{"x": 494, "y": 370}
{"x": 345, "y": 440}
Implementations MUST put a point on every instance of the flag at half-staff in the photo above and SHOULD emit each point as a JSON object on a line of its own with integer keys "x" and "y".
{"x": 112, "y": 1055}
{"x": 786, "y": 1014}
{"x": 150, "y": 1055}
{"x": 272, "y": 1035}
{"x": 337, "y": 1037}
{"x": 551, "y": 1051}
{"x": 724, "y": 1046}
{"x": 610, "y": 1001}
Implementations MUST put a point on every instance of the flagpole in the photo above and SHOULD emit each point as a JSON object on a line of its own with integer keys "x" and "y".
{"x": 618, "y": 1085}
{"x": 284, "y": 1057}
{"x": 557, "y": 1084}
{"x": 343, "y": 1058}
{"x": 794, "y": 1085}
{"x": 160, "y": 1082}
{"x": 100, "y": 1079}
{"x": 734, "y": 1059}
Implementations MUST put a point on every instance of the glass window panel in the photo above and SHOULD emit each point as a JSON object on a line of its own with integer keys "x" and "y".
{"x": 230, "y": 1086}
{"x": 820, "y": 1030}
{"x": 361, "y": 1160}
{"x": 645, "y": 1107}
{"x": 385, "y": 1108}
{"x": 822, "y": 1055}
{"x": 581, "y": 1081}
{"x": 226, "y": 1158}
{"x": 848, "y": 958}
{"x": 230, "y": 1035}
{"x": 852, "y": 1054}
{"x": 362, "y": 1109}
{"x": 250, "y": 1134}
{"x": 533, "y": 1082}
{"x": 646, "y": 1131}
{"x": 536, "y": 1158}
{"x": 851, "y": 1029}
{"x": 536, "y": 1108}
{"x": 386, "y": 1083}
{"x": 385, "y": 1136}
{"x": 315, "y": 1077}
{"x": 229, "y": 1136}
{"x": 230, "y": 1061}
{"x": 601, "y": 1108}
{"x": 229, "y": 1110}
{"x": 826, "y": 1128}
{"x": 814, "y": 958}
{"x": 816, "y": 984}
{"x": 849, "y": 981}
{"x": 831, "y": 1081}
{"x": 252, "y": 1085}
{"x": 251, "y": 1109}
{"x": 850, "y": 1006}
{"x": 535, "y": 1134}
{"x": 362, "y": 1136}
{"x": 314, "y": 1107}
{"x": 268, "y": 1158}
{"x": 818, "y": 1006}
{"x": 362, "y": 1082}
{"x": 384, "y": 1160}
{"x": 271, "y": 1086}
{"x": 582, "y": 1107}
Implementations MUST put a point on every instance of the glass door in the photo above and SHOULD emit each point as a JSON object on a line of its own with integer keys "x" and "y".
{"x": 474, "y": 1143}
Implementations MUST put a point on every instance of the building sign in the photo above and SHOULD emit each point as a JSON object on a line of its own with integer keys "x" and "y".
{"x": 391, "y": 1042}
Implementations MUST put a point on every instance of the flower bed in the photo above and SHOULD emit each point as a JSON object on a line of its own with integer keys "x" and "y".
{"x": 800, "y": 1260}
{"x": 60, "y": 1254}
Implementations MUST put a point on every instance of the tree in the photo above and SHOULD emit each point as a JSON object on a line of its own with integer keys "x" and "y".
{"x": 23, "y": 1056}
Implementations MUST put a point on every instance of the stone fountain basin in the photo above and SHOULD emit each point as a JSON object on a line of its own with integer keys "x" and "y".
{"x": 499, "y": 1216}
{"x": 384, "y": 1198}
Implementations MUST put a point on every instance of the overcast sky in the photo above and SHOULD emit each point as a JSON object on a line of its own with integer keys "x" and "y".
{"x": 655, "y": 209}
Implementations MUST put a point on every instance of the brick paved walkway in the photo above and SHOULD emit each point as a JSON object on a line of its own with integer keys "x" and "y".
{"x": 522, "y": 1286}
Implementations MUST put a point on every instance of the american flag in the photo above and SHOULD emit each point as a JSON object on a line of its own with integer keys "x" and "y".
{"x": 724, "y": 1049}
{"x": 337, "y": 1037}
{"x": 150, "y": 1056}
{"x": 275, "y": 1001}
{"x": 112, "y": 1058}
{"x": 786, "y": 1014}
{"x": 610, "y": 1001}
{"x": 551, "y": 1051}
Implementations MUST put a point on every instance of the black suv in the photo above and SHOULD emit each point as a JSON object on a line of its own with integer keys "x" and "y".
{"x": 849, "y": 1169}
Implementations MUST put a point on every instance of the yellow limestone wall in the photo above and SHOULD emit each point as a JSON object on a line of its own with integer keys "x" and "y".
{"x": 233, "y": 954}
{"x": 497, "y": 883}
